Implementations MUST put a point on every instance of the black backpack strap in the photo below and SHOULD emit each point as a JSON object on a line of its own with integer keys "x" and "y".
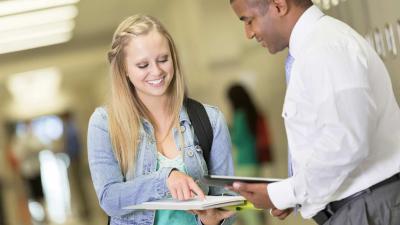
{"x": 201, "y": 125}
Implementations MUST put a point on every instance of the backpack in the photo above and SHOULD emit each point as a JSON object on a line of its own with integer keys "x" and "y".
{"x": 263, "y": 141}
{"x": 201, "y": 126}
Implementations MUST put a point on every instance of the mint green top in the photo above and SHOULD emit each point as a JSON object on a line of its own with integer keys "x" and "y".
{"x": 173, "y": 217}
{"x": 243, "y": 140}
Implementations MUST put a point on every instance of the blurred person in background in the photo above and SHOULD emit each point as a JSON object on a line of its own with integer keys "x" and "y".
{"x": 19, "y": 188}
{"x": 141, "y": 146}
{"x": 27, "y": 147}
{"x": 76, "y": 173}
{"x": 244, "y": 138}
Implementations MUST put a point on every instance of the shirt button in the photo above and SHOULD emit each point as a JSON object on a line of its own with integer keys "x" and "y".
{"x": 182, "y": 128}
{"x": 190, "y": 153}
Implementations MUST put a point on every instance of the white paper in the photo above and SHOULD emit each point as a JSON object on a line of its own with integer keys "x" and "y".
{"x": 193, "y": 204}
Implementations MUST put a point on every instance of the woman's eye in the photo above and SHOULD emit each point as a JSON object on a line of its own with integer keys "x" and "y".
{"x": 142, "y": 66}
{"x": 163, "y": 60}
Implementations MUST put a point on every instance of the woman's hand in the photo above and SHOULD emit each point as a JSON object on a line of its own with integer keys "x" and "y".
{"x": 212, "y": 216}
{"x": 182, "y": 186}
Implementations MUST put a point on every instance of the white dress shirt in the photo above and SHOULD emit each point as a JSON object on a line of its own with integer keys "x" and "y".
{"x": 341, "y": 116}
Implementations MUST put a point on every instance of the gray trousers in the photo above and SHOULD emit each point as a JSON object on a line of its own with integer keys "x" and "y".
{"x": 378, "y": 207}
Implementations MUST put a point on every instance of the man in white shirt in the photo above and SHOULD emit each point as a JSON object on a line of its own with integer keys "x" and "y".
{"x": 341, "y": 118}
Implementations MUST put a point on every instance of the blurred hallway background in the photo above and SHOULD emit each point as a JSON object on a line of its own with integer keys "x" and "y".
{"x": 52, "y": 80}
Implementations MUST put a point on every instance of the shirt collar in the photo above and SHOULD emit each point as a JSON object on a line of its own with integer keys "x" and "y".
{"x": 183, "y": 116}
{"x": 302, "y": 29}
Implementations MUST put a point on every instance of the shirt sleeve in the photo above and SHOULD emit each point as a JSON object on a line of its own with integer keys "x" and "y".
{"x": 337, "y": 89}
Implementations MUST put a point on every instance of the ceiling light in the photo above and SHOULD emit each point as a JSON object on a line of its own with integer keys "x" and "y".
{"x": 35, "y": 43}
{"x": 14, "y": 7}
{"x": 36, "y": 32}
{"x": 37, "y": 36}
{"x": 37, "y": 18}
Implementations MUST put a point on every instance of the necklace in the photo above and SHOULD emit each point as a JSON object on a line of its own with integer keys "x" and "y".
{"x": 160, "y": 141}
{"x": 164, "y": 138}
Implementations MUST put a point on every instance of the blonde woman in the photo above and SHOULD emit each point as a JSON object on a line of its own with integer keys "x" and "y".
{"x": 141, "y": 146}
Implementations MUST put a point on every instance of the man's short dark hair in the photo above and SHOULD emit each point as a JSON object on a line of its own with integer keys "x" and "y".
{"x": 260, "y": 4}
{"x": 301, "y": 3}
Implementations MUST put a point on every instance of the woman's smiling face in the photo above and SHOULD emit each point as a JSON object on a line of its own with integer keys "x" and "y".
{"x": 149, "y": 65}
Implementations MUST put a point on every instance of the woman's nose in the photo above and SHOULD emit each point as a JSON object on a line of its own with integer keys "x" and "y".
{"x": 156, "y": 69}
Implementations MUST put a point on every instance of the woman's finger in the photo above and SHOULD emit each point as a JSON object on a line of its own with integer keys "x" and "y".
{"x": 196, "y": 189}
{"x": 191, "y": 212}
{"x": 179, "y": 194}
{"x": 186, "y": 192}
{"x": 226, "y": 213}
{"x": 173, "y": 193}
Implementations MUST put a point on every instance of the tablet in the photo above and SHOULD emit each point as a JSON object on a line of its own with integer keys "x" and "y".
{"x": 217, "y": 180}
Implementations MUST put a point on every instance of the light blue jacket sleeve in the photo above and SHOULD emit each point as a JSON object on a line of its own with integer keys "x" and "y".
{"x": 112, "y": 190}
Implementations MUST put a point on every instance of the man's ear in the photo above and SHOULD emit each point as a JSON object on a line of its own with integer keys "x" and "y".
{"x": 280, "y": 6}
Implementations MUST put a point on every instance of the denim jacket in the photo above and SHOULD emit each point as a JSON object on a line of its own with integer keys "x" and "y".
{"x": 115, "y": 191}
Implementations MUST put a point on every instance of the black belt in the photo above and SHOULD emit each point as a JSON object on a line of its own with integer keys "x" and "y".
{"x": 324, "y": 215}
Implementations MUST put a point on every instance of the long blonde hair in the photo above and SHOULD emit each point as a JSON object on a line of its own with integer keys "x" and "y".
{"x": 125, "y": 109}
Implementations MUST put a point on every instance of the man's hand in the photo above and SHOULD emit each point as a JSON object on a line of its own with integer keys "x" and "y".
{"x": 182, "y": 186}
{"x": 281, "y": 214}
{"x": 255, "y": 193}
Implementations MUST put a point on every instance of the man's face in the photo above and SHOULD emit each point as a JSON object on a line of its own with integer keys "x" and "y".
{"x": 263, "y": 24}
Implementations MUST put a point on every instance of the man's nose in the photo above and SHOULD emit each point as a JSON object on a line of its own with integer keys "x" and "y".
{"x": 249, "y": 32}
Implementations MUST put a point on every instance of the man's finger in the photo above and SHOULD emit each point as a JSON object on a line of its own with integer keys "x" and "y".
{"x": 283, "y": 215}
{"x": 280, "y": 214}
{"x": 239, "y": 186}
{"x": 246, "y": 195}
{"x": 277, "y": 212}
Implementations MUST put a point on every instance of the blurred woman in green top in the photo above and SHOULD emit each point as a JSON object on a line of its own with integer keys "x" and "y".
{"x": 243, "y": 133}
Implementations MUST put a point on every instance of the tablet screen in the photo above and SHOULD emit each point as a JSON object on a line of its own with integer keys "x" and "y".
{"x": 217, "y": 180}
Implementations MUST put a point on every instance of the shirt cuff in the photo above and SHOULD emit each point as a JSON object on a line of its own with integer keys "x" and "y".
{"x": 161, "y": 185}
{"x": 281, "y": 194}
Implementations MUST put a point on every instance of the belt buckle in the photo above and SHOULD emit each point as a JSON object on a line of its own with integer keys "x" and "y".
{"x": 330, "y": 210}
{"x": 324, "y": 215}
{"x": 321, "y": 217}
